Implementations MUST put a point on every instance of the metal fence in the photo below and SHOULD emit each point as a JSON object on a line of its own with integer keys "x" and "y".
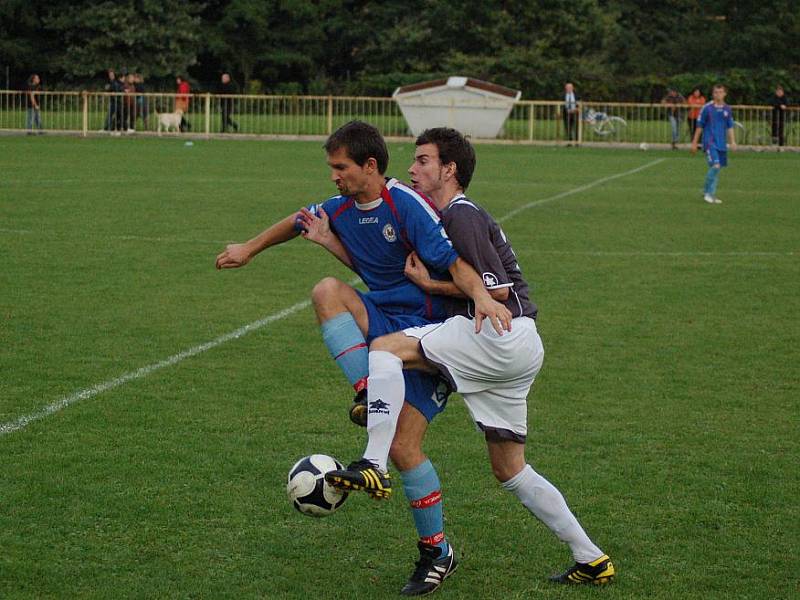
{"x": 90, "y": 113}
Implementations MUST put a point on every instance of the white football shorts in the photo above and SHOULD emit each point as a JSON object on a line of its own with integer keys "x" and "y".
{"x": 494, "y": 373}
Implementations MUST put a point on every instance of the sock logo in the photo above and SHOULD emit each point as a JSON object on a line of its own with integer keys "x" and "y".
{"x": 430, "y": 500}
{"x": 378, "y": 407}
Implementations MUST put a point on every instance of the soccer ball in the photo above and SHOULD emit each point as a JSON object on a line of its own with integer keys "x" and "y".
{"x": 307, "y": 489}
{"x": 644, "y": 146}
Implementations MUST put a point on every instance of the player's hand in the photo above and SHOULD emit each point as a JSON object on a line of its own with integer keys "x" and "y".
{"x": 234, "y": 256}
{"x": 315, "y": 228}
{"x": 499, "y": 316}
{"x": 416, "y": 270}
{"x": 734, "y": 146}
{"x": 693, "y": 148}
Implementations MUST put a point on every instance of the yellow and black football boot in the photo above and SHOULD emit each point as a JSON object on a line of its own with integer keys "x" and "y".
{"x": 362, "y": 475}
{"x": 597, "y": 572}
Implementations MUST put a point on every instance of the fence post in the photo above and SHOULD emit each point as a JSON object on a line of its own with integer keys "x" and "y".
{"x": 580, "y": 123}
{"x": 530, "y": 122}
{"x": 330, "y": 114}
{"x": 208, "y": 113}
{"x": 85, "y": 110}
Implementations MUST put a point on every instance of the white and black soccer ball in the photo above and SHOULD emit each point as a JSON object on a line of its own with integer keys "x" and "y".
{"x": 308, "y": 490}
{"x": 644, "y": 146}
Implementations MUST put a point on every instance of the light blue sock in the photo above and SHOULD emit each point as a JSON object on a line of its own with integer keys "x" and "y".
{"x": 348, "y": 348}
{"x": 712, "y": 177}
{"x": 423, "y": 490}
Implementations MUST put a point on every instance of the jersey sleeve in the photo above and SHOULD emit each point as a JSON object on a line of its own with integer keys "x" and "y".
{"x": 469, "y": 230}
{"x": 427, "y": 236}
{"x": 330, "y": 205}
{"x": 730, "y": 122}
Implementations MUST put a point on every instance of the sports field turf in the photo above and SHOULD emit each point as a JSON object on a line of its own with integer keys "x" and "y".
{"x": 666, "y": 412}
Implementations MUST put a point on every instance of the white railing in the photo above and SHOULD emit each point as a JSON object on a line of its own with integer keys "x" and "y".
{"x": 87, "y": 113}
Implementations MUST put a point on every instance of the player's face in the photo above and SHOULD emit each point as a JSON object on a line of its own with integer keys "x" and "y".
{"x": 426, "y": 171}
{"x": 719, "y": 95}
{"x": 350, "y": 178}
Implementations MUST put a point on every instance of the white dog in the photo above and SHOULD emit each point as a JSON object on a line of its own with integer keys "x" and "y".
{"x": 170, "y": 120}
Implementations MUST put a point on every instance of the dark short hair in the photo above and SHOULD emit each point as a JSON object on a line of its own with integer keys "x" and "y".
{"x": 453, "y": 147}
{"x": 362, "y": 141}
{"x": 720, "y": 86}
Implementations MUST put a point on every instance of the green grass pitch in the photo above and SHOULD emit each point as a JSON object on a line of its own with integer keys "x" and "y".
{"x": 666, "y": 411}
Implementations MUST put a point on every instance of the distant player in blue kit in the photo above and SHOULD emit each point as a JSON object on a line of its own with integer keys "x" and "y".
{"x": 715, "y": 124}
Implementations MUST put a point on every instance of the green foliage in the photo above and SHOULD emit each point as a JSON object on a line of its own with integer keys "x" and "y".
{"x": 155, "y": 37}
{"x": 612, "y": 49}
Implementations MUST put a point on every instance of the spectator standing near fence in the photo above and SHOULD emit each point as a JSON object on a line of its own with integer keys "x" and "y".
{"x": 33, "y": 112}
{"x": 129, "y": 104}
{"x": 182, "y": 101}
{"x": 715, "y": 124}
{"x": 569, "y": 112}
{"x": 779, "y": 103}
{"x": 673, "y": 102}
{"x": 114, "y": 117}
{"x": 142, "y": 108}
{"x": 227, "y": 88}
{"x": 696, "y": 100}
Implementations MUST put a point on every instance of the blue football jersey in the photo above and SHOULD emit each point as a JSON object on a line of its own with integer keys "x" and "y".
{"x": 715, "y": 121}
{"x": 379, "y": 236}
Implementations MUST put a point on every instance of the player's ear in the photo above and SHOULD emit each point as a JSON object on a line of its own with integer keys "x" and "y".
{"x": 450, "y": 169}
{"x": 371, "y": 165}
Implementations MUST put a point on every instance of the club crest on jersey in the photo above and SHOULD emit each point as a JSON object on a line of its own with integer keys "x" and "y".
{"x": 389, "y": 233}
{"x": 489, "y": 280}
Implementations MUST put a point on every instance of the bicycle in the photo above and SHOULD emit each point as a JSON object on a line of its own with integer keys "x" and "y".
{"x": 604, "y": 124}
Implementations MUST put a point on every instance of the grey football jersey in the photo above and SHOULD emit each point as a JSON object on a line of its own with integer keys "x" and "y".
{"x": 479, "y": 240}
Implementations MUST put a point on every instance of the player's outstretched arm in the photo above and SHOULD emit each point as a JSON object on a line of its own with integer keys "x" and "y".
{"x": 318, "y": 230}
{"x": 471, "y": 284}
{"x": 238, "y": 255}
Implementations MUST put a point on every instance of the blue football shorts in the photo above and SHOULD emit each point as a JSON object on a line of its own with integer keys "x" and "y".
{"x": 425, "y": 392}
{"x": 716, "y": 157}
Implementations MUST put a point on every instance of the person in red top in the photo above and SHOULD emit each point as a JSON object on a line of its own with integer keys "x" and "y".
{"x": 182, "y": 101}
{"x": 696, "y": 100}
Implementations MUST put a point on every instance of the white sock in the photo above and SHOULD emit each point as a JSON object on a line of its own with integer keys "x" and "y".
{"x": 385, "y": 393}
{"x": 548, "y": 505}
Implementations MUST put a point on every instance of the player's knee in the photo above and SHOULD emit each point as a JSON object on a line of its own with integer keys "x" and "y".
{"x": 327, "y": 294}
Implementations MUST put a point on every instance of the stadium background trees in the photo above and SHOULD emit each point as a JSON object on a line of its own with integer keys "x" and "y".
{"x": 614, "y": 49}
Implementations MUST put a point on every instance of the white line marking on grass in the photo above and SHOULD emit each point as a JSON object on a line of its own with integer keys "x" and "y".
{"x": 577, "y": 190}
{"x": 18, "y": 231}
{"x": 90, "y": 392}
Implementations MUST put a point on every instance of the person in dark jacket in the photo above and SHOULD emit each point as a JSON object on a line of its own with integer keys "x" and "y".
{"x": 227, "y": 88}
{"x": 779, "y": 103}
{"x": 114, "y": 118}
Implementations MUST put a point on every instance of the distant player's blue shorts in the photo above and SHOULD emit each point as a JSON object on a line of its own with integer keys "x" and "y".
{"x": 425, "y": 392}
{"x": 716, "y": 157}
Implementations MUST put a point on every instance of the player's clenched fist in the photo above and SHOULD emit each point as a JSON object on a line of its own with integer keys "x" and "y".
{"x": 235, "y": 255}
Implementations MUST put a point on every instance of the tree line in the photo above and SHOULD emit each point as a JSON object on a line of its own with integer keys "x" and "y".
{"x": 612, "y": 49}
